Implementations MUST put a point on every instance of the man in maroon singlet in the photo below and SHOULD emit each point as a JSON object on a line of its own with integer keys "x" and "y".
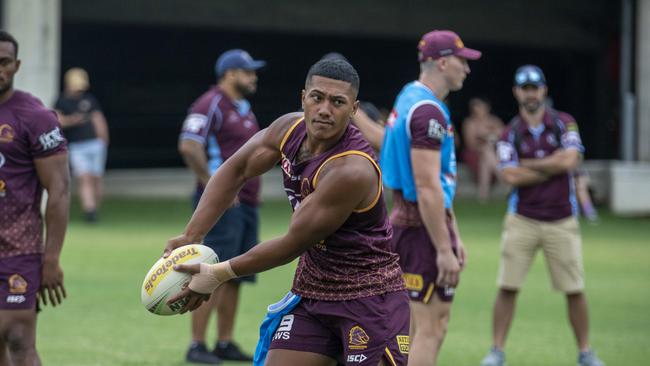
{"x": 354, "y": 306}
{"x": 33, "y": 157}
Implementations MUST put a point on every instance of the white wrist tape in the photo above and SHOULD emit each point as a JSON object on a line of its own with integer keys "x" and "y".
{"x": 211, "y": 276}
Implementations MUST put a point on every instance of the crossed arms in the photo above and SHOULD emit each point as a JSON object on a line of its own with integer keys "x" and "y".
{"x": 534, "y": 171}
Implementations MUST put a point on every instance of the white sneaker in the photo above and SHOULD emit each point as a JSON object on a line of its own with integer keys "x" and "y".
{"x": 495, "y": 358}
{"x": 589, "y": 358}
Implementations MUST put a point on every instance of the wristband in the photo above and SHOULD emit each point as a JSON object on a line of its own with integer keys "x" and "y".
{"x": 211, "y": 276}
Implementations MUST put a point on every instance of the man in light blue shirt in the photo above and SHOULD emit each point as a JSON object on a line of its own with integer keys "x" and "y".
{"x": 419, "y": 163}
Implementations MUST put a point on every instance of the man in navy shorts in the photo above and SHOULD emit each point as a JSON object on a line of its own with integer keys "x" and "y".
{"x": 33, "y": 157}
{"x": 219, "y": 122}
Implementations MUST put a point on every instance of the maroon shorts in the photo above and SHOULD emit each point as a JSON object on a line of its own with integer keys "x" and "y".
{"x": 417, "y": 257}
{"x": 20, "y": 280}
{"x": 352, "y": 332}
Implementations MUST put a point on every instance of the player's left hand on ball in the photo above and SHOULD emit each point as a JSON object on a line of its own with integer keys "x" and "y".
{"x": 194, "y": 299}
{"x": 179, "y": 241}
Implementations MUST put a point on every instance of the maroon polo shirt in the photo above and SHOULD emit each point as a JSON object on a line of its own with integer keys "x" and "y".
{"x": 555, "y": 198}
{"x": 222, "y": 125}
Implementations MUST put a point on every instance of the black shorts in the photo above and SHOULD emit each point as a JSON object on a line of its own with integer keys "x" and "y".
{"x": 234, "y": 234}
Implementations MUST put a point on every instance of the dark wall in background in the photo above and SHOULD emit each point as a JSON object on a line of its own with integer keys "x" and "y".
{"x": 576, "y": 24}
{"x": 147, "y": 76}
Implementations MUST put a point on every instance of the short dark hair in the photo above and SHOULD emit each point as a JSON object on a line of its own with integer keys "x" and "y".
{"x": 334, "y": 55}
{"x": 7, "y": 37}
{"x": 337, "y": 69}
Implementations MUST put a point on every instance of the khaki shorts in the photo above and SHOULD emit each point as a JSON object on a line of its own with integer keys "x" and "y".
{"x": 560, "y": 240}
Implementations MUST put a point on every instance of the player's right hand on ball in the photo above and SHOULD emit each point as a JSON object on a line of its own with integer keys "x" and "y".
{"x": 194, "y": 299}
{"x": 205, "y": 279}
{"x": 179, "y": 241}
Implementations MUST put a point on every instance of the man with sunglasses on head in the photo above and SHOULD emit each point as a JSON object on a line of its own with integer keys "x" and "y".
{"x": 538, "y": 153}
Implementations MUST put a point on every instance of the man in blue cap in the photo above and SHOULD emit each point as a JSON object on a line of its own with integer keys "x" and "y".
{"x": 538, "y": 152}
{"x": 219, "y": 122}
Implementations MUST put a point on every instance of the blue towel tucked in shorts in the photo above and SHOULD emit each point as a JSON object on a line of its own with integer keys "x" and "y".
{"x": 270, "y": 324}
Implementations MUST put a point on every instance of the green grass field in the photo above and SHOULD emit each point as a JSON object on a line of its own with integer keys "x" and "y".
{"x": 103, "y": 323}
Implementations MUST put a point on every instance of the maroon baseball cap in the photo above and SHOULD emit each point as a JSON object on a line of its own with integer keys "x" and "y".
{"x": 439, "y": 43}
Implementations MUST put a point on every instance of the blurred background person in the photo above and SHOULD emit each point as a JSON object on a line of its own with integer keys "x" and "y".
{"x": 371, "y": 123}
{"x": 219, "y": 122}
{"x": 86, "y": 130}
{"x": 538, "y": 153}
{"x": 481, "y": 130}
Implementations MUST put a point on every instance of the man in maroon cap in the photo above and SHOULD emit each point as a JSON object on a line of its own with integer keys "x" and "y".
{"x": 419, "y": 164}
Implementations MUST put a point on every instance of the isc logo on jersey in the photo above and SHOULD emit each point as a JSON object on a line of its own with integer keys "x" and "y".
{"x": 16, "y": 299}
{"x": 571, "y": 138}
{"x": 284, "y": 330}
{"x": 449, "y": 291}
{"x": 505, "y": 151}
{"x": 286, "y": 166}
{"x": 52, "y": 139}
{"x": 435, "y": 130}
{"x": 195, "y": 122}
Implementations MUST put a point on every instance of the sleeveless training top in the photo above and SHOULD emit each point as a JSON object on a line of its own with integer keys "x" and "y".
{"x": 355, "y": 261}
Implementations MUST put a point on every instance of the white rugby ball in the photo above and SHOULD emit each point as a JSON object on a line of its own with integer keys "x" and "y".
{"x": 162, "y": 282}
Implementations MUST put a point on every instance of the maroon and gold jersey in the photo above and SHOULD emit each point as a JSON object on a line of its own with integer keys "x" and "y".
{"x": 28, "y": 131}
{"x": 356, "y": 260}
